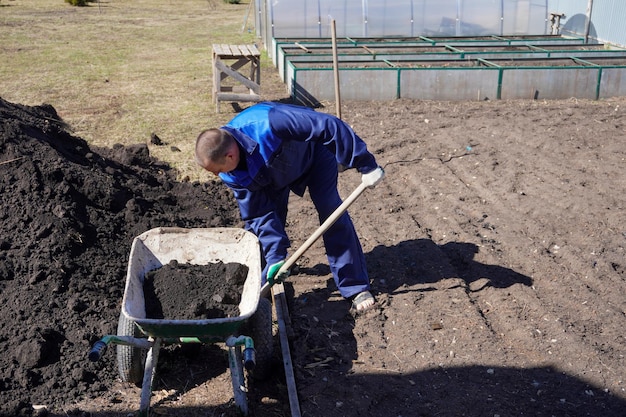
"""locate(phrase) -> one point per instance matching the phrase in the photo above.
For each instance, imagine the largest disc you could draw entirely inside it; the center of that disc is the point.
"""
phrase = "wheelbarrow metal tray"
(200, 246)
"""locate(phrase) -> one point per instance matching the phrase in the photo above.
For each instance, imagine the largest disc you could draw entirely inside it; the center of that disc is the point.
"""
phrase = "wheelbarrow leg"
(235, 361)
(148, 376)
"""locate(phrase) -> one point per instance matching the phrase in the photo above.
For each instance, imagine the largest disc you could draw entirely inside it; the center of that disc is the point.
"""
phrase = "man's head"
(217, 151)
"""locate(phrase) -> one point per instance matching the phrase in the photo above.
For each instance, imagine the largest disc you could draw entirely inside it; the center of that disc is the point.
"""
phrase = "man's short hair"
(212, 145)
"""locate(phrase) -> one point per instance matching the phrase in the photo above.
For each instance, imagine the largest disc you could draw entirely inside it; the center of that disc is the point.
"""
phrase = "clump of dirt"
(68, 215)
(191, 292)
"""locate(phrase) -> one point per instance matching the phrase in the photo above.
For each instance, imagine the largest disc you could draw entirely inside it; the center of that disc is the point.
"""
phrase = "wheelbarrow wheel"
(129, 358)
(260, 328)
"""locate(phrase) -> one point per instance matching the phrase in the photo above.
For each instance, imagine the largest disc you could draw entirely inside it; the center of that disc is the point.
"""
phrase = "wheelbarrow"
(139, 338)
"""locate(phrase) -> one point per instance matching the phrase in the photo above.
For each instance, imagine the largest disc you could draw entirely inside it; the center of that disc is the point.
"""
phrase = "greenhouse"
(445, 49)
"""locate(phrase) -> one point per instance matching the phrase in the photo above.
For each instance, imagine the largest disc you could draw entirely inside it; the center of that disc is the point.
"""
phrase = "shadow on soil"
(451, 391)
(475, 391)
(319, 317)
(422, 261)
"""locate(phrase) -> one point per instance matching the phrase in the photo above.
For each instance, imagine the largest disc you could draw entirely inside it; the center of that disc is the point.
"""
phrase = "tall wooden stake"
(336, 68)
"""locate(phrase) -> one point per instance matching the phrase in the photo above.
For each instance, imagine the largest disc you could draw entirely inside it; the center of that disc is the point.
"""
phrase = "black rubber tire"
(260, 328)
(129, 358)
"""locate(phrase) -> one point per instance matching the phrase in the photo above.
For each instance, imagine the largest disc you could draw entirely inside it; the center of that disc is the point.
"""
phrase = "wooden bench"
(230, 61)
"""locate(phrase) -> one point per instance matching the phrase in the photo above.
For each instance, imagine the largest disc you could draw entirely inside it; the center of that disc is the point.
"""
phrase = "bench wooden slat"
(234, 51)
(239, 97)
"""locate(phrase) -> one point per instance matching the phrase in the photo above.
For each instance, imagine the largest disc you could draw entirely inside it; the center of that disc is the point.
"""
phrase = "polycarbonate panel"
(510, 17)
(348, 16)
(388, 18)
(480, 18)
(437, 17)
(294, 18)
(573, 23)
(538, 17)
(313, 18)
(570, 8)
(403, 18)
(607, 17)
(410, 18)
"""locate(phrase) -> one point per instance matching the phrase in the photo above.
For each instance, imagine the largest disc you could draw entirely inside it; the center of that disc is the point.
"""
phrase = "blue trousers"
(343, 249)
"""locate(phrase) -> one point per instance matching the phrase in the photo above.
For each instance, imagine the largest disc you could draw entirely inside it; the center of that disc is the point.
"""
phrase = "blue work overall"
(287, 148)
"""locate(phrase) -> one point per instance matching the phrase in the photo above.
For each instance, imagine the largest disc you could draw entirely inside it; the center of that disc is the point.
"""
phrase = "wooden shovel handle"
(316, 235)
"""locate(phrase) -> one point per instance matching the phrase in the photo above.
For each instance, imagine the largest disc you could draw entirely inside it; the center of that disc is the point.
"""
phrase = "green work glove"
(273, 277)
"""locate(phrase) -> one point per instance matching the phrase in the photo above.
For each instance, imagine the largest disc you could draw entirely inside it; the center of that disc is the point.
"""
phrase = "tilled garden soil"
(495, 247)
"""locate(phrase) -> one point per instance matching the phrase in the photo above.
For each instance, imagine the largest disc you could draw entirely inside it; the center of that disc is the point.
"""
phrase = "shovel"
(319, 232)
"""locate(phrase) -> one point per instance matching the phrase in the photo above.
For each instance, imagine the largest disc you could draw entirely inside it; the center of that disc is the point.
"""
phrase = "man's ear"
(232, 152)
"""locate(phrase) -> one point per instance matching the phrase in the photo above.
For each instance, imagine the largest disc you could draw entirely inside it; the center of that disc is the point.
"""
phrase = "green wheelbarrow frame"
(199, 246)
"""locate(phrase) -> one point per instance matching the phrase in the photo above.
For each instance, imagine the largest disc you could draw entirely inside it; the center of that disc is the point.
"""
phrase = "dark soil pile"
(68, 216)
(192, 292)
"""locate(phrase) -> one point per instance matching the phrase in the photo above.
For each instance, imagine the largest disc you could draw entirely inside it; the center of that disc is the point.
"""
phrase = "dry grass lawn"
(117, 71)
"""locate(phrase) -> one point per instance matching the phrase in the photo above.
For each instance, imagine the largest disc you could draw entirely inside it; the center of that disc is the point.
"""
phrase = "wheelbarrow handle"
(97, 351)
(334, 216)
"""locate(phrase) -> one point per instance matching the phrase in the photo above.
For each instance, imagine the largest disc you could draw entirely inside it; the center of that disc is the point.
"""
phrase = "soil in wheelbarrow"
(496, 248)
(193, 292)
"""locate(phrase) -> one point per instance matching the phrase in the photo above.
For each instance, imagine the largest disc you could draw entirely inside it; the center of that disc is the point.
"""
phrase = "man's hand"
(373, 177)
(273, 276)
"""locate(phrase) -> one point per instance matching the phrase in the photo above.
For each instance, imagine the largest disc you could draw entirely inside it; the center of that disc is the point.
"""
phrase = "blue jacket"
(276, 144)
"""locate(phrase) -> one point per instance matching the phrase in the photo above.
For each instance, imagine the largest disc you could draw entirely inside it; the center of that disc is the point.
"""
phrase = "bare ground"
(495, 247)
